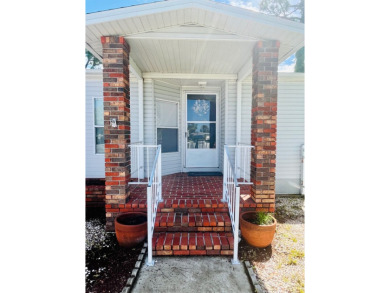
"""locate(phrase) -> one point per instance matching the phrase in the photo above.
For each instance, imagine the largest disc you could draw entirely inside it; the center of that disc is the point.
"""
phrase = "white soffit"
(191, 36)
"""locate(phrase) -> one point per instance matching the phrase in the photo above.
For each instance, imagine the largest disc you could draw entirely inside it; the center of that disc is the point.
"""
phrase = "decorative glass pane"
(166, 113)
(167, 137)
(201, 136)
(99, 135)
(201, 108)
(99, 114)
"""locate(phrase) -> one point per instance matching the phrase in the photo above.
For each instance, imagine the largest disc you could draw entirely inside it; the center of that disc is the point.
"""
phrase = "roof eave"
(150, 8)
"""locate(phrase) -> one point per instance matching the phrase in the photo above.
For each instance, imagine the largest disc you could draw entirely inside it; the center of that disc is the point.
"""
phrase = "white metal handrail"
(154, 196)
(137, 161)
(231, 195)
(141, 154)
(243, 163)
(242, 159)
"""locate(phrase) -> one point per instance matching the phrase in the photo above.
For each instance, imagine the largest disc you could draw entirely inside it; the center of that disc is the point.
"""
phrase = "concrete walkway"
(192, 274)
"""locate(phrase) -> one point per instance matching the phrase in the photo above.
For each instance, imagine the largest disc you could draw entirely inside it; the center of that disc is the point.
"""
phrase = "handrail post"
(235, 260)
(150, 261)
(224, 199)
(159, 174)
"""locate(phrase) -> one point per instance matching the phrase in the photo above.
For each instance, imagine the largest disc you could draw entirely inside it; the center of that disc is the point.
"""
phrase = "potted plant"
(130, 228)
(257, 228)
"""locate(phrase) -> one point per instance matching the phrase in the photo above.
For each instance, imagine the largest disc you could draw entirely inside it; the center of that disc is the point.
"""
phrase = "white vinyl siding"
(94, 89)
(170, 162)
(94, 163)
(290, 129)
(230, 127)
(290, 135)
(246, 110)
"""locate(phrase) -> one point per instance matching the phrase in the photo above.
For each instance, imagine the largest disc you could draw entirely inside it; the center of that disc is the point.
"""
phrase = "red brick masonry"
(116, 94)
(95, 193)
(263, 129)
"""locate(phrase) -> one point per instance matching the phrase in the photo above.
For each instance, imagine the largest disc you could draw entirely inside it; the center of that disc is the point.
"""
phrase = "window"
(99, 125)
(167, 126)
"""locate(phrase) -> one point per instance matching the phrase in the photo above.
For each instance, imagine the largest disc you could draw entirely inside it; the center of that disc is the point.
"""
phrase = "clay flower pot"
(256, 235)
(131, 228)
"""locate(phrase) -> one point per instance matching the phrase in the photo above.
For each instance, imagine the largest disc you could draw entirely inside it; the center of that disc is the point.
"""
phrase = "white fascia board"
(291, 51)
(94, 53)
(135, 11)
(158, 7)
(135, 69)
(157, 75)
(245, 70)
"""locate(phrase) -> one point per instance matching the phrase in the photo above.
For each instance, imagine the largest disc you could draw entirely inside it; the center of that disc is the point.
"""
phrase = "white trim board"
(157, 75)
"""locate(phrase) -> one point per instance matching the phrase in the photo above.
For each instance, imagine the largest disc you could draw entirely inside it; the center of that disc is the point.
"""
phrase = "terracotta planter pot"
(131, 228)
(256, 235)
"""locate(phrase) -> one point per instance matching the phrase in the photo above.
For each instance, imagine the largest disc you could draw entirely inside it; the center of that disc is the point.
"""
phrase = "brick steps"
(198, 205)
(191, 243)
(193, 222)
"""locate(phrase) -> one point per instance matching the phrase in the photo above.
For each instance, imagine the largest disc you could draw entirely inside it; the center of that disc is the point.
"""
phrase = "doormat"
(193, 174)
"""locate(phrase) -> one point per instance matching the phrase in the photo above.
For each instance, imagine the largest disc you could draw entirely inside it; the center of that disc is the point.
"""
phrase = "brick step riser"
(193, 222)
(192, 244)
(182, 210)
(192, 229)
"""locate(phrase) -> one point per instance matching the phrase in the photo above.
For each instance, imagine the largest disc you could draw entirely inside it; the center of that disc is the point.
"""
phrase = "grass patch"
(294, 256)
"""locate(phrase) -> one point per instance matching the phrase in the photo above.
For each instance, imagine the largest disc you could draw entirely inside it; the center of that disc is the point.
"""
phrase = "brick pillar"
(116, 94)
(263, 129)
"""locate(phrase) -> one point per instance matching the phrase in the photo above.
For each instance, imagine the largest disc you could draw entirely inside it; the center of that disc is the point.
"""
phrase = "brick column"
(263, 129)
(116, 94)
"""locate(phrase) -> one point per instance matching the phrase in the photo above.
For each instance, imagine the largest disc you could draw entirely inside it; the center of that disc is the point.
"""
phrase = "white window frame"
(96, 126)
(176, 127)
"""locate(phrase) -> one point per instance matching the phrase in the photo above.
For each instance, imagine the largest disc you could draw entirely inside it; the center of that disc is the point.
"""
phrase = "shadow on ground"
(248, 252)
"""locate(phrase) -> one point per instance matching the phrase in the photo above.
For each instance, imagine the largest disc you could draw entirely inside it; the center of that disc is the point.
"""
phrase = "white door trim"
(206, 91)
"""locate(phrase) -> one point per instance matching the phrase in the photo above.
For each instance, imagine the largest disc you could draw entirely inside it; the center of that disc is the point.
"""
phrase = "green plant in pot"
(258, 228)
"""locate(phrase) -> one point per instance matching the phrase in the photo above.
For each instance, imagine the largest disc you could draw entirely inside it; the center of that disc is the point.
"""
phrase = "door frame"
(206, 91)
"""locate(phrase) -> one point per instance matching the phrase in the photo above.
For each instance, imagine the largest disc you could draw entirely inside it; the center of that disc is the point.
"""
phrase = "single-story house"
(192, 76)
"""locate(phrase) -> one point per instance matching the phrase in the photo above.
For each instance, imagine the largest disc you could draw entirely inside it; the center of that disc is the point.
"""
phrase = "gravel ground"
(281, 266)
(107, 265)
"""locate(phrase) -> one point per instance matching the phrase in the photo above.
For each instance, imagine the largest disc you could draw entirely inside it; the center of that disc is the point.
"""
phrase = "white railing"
(154, 196)
(231, 188)
(242, 162)
(140, 162)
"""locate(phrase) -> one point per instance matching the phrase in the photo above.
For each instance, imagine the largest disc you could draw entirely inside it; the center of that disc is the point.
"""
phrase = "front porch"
(191, 219)
(184, 193)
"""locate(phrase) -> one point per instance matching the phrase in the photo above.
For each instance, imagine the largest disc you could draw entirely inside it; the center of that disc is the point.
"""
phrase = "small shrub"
(263, 219)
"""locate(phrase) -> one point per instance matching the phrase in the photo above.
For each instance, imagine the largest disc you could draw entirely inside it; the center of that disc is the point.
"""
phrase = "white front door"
(201, 131)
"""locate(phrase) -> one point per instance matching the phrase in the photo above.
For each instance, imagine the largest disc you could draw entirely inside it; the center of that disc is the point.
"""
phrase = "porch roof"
(192, 37)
